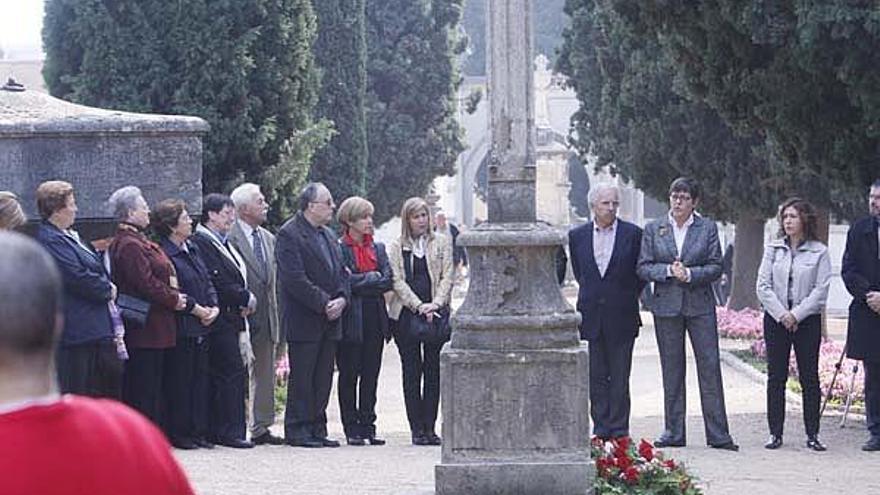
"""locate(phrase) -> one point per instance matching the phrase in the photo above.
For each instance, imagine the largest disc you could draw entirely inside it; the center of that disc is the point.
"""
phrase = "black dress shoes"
(235, 443)
(310, 443)
(432, 438)
(203, 444)
(357, 441)
(872, 445)
(374, 440)
(814, 444)
(267, 439)
(727, 446)
(326, 442)
(184, 444)
(774, 442)
(661, 443)
(420, 439)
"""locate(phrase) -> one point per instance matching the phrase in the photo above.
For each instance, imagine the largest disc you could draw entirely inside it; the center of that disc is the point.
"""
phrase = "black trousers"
(806, 342)
(92, 369)
(359, 366)
(421, 382)
(610, 366)
(228, 385)
(308, 388)
(142, 382)
(872, 397)
(187, 379)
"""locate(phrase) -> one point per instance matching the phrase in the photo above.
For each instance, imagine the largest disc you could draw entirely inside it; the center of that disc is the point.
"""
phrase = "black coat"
(367, 287)
(195, 281)
(232, 293)
(609, 305)
(307, 283)
(87, 288)
(861, 274)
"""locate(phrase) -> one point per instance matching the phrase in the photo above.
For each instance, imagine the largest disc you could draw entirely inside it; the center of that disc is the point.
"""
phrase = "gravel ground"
(400, 468)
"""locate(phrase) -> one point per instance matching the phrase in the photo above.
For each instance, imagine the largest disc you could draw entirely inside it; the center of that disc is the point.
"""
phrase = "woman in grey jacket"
(792, 286)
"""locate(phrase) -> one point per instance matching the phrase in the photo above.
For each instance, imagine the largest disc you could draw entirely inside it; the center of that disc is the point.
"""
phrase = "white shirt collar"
(612, 227)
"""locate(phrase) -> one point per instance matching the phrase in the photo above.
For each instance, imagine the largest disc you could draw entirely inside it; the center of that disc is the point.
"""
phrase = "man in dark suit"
(229, 331)
(681, 255)
(861, 275)
(604, 254)
(313, 295)
(257, 247)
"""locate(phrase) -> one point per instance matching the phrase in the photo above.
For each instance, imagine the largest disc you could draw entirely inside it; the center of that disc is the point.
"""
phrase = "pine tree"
(244, 66)
(340, 51)
(412, 79)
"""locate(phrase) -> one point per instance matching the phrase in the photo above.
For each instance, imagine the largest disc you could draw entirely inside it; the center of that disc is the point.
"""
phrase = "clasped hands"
(789, 321)
(429, 310)
(679, 271)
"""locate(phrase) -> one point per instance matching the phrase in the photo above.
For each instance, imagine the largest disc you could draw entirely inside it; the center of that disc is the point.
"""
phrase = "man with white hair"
(257, 246)
(604, 254)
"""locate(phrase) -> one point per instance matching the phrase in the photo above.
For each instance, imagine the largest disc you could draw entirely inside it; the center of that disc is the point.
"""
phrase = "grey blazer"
(809, 272)
(701, 254)
(260, 283)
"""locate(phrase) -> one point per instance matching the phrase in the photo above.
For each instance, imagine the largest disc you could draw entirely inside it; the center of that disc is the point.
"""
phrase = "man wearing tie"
(604, 253)
(314, 293)
(229, 331)
(257, 247)
(681, 255)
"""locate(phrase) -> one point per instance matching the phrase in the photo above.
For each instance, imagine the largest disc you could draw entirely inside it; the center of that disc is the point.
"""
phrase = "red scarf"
(364, 253)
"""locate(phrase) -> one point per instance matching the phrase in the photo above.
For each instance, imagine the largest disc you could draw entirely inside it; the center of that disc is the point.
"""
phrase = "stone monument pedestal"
(514, 378)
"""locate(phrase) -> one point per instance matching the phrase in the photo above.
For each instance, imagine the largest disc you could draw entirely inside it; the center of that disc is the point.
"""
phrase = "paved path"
(400, 468)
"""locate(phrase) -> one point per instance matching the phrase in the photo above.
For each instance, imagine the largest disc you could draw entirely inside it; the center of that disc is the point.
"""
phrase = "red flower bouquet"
(626, 468)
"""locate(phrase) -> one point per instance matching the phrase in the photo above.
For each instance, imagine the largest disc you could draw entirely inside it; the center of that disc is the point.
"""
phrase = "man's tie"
(258, 250)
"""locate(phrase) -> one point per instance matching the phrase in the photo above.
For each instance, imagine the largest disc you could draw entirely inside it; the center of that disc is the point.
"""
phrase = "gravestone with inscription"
(97, 151)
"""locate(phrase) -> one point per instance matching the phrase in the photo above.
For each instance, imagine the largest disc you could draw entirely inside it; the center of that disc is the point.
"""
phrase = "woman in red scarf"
(364, 323)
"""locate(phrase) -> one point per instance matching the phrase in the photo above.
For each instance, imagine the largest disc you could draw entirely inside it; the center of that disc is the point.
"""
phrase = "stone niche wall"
(44, 138)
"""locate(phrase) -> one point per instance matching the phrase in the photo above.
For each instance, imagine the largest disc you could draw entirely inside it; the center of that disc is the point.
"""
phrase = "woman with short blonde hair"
(364, 323)
(421, 260)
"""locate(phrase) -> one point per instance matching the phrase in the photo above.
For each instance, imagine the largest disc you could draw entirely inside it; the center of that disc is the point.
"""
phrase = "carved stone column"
(514, 380)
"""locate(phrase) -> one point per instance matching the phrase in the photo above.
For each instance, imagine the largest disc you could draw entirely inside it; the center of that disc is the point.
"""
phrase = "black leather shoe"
(774, 442)
(727, 446)
(311, 443)
(267, 439)
(326, 442)
(374, 440)
(357, 441)
(661, 443)
(235, 443)
(433, 439)
(419, 439)
(203, 444)
(184, 444)
(814, 444)
(872, 445)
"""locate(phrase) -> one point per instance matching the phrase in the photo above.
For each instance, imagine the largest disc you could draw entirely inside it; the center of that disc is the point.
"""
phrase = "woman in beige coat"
(421, 260)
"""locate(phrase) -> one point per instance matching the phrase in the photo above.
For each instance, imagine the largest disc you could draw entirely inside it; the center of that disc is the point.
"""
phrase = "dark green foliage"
(411, 87)
(804, 74)
(549, 22)
(636, 124)
(245, 66)
(340, 51)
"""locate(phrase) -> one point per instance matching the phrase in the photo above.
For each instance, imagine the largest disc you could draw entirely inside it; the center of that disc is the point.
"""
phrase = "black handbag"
(437, 331)
(133, 310)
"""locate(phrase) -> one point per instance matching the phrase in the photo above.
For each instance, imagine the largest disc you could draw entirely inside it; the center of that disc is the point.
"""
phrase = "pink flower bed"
(746, 324)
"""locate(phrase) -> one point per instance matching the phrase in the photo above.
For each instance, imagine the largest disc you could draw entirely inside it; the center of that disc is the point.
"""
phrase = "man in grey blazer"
(257, 247)
(681, 255)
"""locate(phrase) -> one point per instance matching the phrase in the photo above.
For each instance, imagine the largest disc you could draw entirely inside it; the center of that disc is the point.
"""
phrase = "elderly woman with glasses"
(143, 271)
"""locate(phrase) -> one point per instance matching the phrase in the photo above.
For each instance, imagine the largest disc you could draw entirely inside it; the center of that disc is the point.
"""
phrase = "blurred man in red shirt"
(53, 444)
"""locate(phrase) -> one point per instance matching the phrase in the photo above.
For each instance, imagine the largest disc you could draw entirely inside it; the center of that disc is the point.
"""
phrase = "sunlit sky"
(20, 25)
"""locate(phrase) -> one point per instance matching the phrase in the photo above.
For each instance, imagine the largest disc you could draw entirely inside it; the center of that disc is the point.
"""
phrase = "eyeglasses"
(680, 198)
